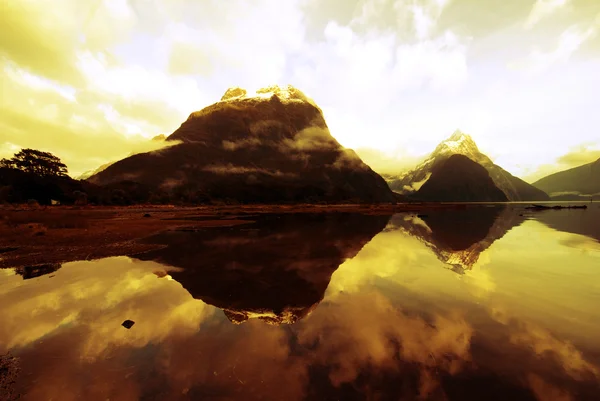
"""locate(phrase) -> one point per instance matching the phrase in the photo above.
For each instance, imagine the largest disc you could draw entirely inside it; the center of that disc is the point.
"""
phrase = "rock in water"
(460, 179)
(272, 146)
(128, 324)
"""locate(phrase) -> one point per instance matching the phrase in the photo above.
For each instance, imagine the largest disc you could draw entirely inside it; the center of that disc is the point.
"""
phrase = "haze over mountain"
(582, 180)
(158, 139)
(271, 146)
(459, 179)
(460, 143)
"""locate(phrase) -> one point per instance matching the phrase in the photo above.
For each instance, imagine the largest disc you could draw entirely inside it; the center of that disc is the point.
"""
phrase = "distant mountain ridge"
(272, 146)
(460, 143)
(582, 180)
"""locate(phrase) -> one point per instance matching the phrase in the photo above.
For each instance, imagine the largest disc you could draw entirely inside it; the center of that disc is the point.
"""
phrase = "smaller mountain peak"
(459, 135)
(460, 139)
(458, 142)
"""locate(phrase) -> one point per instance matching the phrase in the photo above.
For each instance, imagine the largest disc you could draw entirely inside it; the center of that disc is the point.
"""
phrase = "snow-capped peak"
(459, 142)
(286, 94)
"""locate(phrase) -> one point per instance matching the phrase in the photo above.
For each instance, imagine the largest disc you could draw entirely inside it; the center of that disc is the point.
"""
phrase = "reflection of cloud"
(480, 279)
(118, 290)
(545, 391)
(383, 257)
(581, 242)
(78, 314)
(542, 342)
(365, 330)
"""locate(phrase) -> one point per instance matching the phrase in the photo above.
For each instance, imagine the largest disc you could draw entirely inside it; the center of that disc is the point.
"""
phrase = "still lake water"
(486, 303)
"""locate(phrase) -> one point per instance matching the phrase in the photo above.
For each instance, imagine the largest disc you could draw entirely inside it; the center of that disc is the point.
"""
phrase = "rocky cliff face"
(268, 147)
(514, 188)
(459, 179)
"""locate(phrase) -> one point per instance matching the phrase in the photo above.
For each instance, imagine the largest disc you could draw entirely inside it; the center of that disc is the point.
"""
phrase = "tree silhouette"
(36, 162)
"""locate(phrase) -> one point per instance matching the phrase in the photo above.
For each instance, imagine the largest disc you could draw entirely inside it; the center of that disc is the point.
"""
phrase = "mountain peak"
(459, 135)
(460, 143)
(286, 94)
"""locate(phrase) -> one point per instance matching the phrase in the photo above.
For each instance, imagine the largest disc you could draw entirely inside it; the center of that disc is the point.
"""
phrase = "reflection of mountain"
(576, 221)
(276, 269)
(458, 237)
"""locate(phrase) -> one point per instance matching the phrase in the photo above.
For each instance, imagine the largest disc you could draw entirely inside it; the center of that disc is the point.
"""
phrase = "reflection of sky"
(526, 315)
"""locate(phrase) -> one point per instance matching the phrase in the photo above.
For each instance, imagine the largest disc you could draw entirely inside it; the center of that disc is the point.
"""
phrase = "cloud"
(542, 9)
(388, 74)
(388, 162)
(310, 139)
(226, 169)
(579, 155)
(241, 144)
(582, 154)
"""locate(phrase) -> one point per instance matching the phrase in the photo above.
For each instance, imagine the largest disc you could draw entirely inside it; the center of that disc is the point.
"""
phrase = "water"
(485, 303)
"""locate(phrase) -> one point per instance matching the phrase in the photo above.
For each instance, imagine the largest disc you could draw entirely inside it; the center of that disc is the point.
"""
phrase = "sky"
(92, 81)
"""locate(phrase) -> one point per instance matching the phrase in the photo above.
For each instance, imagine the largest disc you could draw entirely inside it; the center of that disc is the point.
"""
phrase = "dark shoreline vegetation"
(37, 237)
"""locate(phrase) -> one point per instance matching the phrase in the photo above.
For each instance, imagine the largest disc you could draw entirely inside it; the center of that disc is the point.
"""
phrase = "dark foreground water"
(488, 303)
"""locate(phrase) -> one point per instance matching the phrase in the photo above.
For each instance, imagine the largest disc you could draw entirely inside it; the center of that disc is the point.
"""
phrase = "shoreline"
(59, 234)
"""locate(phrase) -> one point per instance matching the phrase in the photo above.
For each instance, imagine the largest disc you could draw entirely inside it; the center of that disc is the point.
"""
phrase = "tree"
(36, 162)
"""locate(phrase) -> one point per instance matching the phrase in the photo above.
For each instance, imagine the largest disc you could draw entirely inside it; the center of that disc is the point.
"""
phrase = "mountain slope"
(270, 147)
(460, 179)
(583, 180)
(460, 143)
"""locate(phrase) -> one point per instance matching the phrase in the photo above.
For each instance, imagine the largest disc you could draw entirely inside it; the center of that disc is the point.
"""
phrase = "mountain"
(459, 179)
(156, 139)
(276, 268)
(269, 147)
(458, 237)
(460, 143)
(90, 173)
(582, 180)
(575, 221)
